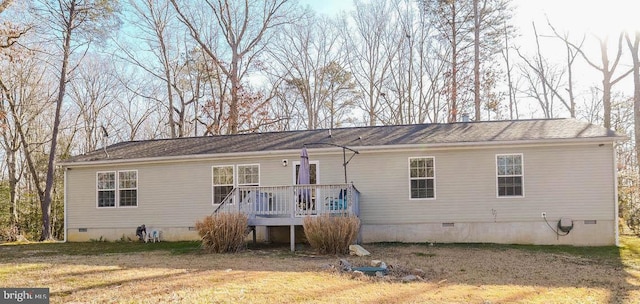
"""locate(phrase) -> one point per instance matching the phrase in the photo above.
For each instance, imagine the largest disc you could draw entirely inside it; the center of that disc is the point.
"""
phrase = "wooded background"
(72, 71)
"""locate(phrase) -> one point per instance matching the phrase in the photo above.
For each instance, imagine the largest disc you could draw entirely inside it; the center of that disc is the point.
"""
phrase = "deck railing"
(292, 201)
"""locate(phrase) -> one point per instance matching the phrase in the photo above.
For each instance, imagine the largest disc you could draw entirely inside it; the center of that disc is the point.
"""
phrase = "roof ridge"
(345, 128)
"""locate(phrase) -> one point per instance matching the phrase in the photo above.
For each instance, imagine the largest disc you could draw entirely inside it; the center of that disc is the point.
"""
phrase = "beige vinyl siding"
(565, 181)
(174, 194)
(170, 195)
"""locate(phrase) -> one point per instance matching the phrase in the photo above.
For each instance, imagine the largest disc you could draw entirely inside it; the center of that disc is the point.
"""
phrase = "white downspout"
(65, 205)
(615, 194)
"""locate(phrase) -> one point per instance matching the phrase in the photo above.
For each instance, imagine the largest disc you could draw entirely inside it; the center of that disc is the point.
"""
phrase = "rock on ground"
(358, 250)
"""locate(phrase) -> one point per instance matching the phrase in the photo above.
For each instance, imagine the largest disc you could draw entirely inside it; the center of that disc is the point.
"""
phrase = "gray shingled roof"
(422, 134)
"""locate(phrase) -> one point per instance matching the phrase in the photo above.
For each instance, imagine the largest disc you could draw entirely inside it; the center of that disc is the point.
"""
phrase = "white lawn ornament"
(153, 236)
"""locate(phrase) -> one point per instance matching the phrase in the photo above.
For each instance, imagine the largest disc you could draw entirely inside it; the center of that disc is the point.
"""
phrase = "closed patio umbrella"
(304, 178)
(304, 171)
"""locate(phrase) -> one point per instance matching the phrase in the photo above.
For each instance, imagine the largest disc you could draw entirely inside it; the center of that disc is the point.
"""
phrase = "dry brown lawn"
(454, 274)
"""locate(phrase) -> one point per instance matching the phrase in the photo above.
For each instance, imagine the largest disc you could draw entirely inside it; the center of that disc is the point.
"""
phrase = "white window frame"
(116, 189)
(213, 184)
(237, 173)
(521, 175)
(422, 178)
(313, 162)
(120, 188)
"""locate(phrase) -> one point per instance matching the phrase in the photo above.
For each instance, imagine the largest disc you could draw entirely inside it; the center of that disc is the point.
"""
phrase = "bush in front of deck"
(223, 232)
(331, 234)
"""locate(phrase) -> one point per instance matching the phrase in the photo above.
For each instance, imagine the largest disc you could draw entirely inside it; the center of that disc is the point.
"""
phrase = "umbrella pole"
(344, 163)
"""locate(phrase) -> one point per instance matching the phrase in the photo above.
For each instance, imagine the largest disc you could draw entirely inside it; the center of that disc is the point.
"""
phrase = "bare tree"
(634, 47)
(4, 4)
(608, 68)
(571, 55)
(490, 19)
(16, 86)
(65, 19)
(243, 27)
(477, 18)
(370, 43)
(543, 78)
(310, 61)
(23, 87)
(11, 145)
(92, 90)
(340, 93)
(398, 88)
(131, 113)
(452, 20)
(431, 66)
(511, 84)
(10, 32)
(154, 21)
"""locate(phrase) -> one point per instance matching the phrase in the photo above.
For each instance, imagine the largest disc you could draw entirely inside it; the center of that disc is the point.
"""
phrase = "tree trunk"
(453, 115)
(606, 84)
(372, 103)
(634, 48)
(572, 101)
(167, 74)
(476, 60)
(13, 184)
(606, 101)
(235, 85)
(513, 108)
(45, 201)
(23, 142)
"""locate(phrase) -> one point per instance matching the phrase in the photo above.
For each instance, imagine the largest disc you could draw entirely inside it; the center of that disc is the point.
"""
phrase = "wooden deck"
(289, 205)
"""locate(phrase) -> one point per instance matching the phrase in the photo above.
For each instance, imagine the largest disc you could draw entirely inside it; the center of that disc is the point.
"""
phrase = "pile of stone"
(377, 269)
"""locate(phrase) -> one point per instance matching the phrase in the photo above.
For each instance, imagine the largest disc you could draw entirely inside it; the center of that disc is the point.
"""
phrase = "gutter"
(64, 225)
(378, 148)
(615, 197)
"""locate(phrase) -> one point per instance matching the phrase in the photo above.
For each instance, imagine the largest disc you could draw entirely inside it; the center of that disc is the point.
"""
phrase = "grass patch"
(600, 252)
(12, 250)
(424, 254)
(454, 273)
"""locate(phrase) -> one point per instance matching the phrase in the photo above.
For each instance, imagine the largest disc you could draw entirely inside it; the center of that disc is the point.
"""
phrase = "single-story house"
(539, 181)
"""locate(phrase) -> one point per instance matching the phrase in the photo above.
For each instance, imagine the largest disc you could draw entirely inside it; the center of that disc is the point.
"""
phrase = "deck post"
(254, 234)
(293, 237)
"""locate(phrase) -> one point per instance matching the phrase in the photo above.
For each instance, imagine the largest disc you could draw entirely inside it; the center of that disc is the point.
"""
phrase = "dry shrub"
(10, 233)
(331, 234)
(223, 232)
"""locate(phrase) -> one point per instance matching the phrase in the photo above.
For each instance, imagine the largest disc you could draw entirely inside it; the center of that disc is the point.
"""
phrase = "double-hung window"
(117, 189)
(510, 175)
(248, 175)
(222, 182)
(106, 189)
(128, 188)
(422, 177)
(226, 177)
